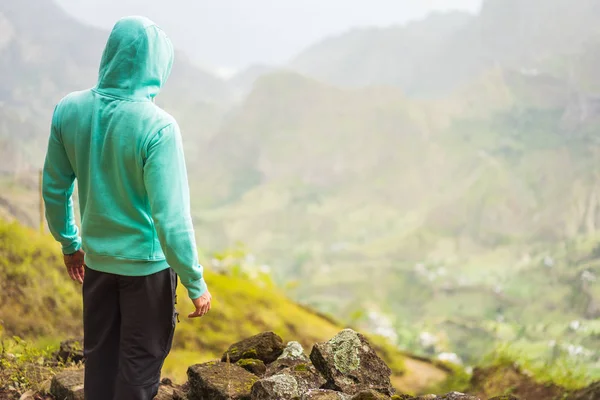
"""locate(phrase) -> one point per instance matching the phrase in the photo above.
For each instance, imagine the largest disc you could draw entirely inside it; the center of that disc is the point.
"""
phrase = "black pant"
(128, 325)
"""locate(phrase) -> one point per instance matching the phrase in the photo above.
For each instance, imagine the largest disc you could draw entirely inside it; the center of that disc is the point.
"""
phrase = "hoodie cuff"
(196, 289)
(72, 248)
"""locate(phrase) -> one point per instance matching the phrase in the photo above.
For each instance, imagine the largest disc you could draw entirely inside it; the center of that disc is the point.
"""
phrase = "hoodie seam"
(113, 96)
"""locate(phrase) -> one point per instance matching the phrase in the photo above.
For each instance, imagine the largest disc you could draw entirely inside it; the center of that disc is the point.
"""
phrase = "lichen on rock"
(350, 365)
(219, 381)
(281, 386)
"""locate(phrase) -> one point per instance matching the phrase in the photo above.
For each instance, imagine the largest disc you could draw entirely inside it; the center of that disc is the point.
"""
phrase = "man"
(136, 229)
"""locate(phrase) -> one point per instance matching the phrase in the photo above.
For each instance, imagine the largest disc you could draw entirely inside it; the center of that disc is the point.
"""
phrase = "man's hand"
(202, 305)
(75, 263)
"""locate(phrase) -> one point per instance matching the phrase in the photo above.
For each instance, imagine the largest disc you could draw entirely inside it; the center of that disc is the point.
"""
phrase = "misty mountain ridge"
(437, 55)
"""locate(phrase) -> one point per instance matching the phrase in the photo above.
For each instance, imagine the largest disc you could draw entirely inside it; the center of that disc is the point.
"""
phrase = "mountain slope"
(444, 51)
(33, 283)
(46, 54)
(438, 214)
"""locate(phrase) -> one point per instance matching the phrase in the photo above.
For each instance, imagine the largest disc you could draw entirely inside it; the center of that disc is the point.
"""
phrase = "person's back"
(127, 156)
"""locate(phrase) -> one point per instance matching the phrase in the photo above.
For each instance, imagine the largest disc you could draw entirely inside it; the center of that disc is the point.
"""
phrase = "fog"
(233, 34)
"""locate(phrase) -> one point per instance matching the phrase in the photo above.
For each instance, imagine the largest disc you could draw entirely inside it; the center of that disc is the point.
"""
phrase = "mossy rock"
(350, 365)
(68, 385)
(71, 351)
(256, 367)
(266, 347)
(219, 381)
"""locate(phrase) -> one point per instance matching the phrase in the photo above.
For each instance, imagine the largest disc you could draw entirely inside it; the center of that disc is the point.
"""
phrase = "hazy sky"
(238, 33)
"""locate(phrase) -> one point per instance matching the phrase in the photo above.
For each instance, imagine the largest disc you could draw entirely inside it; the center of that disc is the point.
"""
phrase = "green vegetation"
(23, 366)
(33, 284)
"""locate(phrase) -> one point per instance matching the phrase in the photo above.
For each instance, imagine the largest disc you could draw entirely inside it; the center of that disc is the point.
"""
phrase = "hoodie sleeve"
(165, 178)
(58, 183)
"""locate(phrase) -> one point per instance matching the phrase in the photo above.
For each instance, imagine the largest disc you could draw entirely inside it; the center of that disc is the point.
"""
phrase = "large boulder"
(219, 381)
(68, 385)
(71, 351)
(324, 394)
(350, 365)
(266, 347)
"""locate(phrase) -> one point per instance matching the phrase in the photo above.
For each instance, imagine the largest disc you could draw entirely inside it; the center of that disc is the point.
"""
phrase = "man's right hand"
(202, 305)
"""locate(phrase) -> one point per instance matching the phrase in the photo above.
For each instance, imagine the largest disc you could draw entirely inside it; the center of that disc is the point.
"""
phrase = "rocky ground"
(264, 368)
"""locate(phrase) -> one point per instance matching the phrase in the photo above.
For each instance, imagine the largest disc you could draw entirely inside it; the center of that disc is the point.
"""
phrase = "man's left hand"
(75, 265)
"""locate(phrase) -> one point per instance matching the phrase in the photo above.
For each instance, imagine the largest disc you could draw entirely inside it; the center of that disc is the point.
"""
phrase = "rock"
(276, 387)
(266, 347)
(168, 391)
(324, 394)
(293, 351)
(370, 395)
(292, 356)
(297, 380)
(350, 365)
(306, 376)
(403, 397)
(449, 396)
(68, 385)
(505, 397)
(71, 350)
(592, 392)
(219, 381)
(257, 367)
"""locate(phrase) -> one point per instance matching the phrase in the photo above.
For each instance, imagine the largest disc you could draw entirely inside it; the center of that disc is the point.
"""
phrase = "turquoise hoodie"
(127, 156)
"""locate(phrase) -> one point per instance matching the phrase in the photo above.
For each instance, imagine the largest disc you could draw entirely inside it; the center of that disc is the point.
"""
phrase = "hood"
(137, 60)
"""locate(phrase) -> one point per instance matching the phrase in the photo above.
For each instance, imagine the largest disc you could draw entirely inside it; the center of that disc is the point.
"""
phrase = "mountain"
(441, 217)
(243, 82)
(446, 50)
(46, 54)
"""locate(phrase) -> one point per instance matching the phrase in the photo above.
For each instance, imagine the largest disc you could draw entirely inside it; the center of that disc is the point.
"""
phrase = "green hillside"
(40, 304)
(440, 215)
